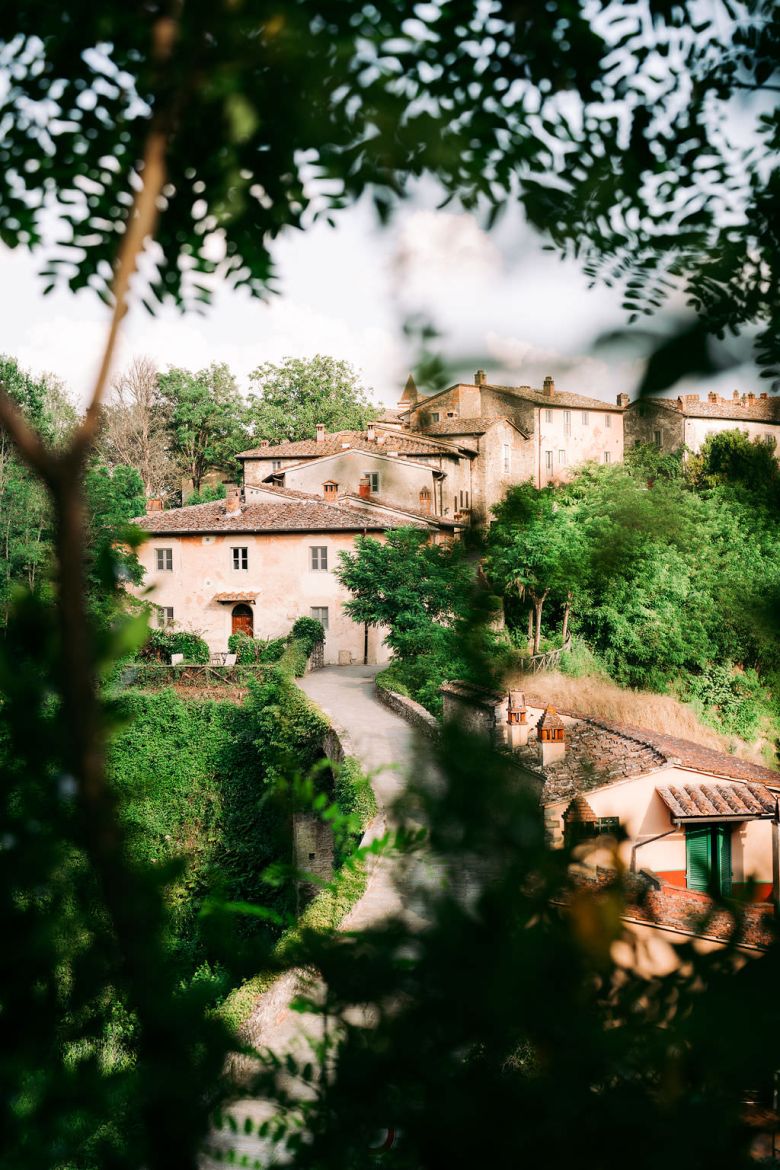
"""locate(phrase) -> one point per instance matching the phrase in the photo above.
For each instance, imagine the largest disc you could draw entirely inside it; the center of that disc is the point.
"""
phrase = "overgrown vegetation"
(668, 571)
(162, 643)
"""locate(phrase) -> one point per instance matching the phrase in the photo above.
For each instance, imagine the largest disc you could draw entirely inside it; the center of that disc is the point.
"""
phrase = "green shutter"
(722, 843)
(698, 856)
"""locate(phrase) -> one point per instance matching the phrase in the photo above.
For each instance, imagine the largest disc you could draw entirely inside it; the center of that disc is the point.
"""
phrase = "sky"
(500, 302)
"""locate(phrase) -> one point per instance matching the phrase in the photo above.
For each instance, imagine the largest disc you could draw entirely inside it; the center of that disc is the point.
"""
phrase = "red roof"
(716, 801)
(388, 439)
(309, 515)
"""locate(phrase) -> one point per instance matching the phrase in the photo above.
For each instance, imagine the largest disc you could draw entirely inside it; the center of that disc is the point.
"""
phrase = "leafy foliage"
(301, 392)
(309, 632)
(250, 650)
(161, 644)
(634, 174)
(205, 412)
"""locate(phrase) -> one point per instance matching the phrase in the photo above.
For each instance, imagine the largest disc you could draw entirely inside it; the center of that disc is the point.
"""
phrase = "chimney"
(551, 734)
(480, 378)
(751, 398)
(548, 387)
(425, 500)
(516, 720)
(735, 396)
(320, 432)
(153, 504)
(763, 396)
(371, 432)
(712, 396)
(263, 443)
(623, 400)
(232, 499)
(364, 488)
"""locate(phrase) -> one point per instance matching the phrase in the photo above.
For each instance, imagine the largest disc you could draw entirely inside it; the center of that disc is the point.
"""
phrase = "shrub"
(161, 644)
(354, 795)
(309, 632)
(250, 651)
(294, 659)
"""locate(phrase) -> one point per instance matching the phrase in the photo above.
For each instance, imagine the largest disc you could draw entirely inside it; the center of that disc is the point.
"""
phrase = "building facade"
(687, 421)
(254, 566)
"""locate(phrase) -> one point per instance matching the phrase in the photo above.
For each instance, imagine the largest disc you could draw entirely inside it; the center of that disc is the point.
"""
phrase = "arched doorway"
(243, 620)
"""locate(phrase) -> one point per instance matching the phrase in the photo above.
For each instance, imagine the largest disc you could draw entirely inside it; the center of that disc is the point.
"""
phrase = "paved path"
(387, 749)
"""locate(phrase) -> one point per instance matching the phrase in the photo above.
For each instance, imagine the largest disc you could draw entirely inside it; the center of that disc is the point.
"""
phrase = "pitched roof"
(388, 439)
(696, 801)
(558, 398)
(388, 505)
(468, 426)
(308, 515)
(741, 409)
(514, 394)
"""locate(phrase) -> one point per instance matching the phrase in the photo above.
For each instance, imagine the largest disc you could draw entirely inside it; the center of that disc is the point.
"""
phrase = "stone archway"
(243, 620)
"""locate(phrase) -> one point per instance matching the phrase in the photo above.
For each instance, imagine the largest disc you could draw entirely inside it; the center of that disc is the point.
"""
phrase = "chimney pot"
(232, 499)
(551, 735)
(371, 432)
(154, 504)
(549, 386)
(751, 397)
(480, 378)
(263, 443)
(364, 488)
(320, 432)
(735, 396)
(712, 396)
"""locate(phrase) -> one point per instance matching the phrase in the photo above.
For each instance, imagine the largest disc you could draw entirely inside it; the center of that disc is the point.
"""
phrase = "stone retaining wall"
(414, 713)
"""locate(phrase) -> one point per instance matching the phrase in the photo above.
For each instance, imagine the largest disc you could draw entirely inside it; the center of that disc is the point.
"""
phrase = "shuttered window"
(708, 858)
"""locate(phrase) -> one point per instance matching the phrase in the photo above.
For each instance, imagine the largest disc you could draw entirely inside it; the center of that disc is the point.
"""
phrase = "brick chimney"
(763, 395)
(623, 400)
(232, 499)
(264, 443)
(480, 378)
(751, 398)
(425, 500)
(371, 432)
(320, 432)
(153, 504)
(551, 734)
(517, 727)
(735, 396)
(364, 488)
(548, 387)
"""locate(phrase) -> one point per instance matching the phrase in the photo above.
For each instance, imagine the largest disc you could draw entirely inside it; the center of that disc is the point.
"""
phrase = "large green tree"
(205, 418)
(294, 396)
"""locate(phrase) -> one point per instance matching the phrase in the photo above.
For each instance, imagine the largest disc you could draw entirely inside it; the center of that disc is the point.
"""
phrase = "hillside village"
(266, 555)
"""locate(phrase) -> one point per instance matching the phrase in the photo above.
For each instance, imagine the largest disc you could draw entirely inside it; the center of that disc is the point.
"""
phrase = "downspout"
(649, 841)
(365, 627)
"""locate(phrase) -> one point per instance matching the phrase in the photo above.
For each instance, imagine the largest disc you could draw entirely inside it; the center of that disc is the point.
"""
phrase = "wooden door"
(243, 620)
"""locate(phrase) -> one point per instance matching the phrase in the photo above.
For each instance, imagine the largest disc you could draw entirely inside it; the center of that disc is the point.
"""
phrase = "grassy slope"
(599, 697)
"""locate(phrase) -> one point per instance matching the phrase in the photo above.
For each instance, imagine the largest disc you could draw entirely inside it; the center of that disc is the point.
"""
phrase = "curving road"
(387, 749)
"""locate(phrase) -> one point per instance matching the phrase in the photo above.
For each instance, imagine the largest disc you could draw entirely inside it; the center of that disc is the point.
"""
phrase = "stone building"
(254, 565)
(686, 421)
(518, 433)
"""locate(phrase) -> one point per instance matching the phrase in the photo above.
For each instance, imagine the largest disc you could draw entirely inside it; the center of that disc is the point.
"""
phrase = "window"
(657, 439)
(164, 616)
(548, 460)
(708, 858)
(567, 422)
(607, 420)
(373, 480)
(320, 614)
(548, 416)
(240, 558)
(607, 457)
(165, 560)
(435, 416)
(584, 418)
(318, 557)
(562, 458)
(507, 458)
(276, 464)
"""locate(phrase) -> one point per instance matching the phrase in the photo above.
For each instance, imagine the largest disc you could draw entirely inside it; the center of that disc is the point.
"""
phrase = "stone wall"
(414, 713)
(643, 419)
(312, 852)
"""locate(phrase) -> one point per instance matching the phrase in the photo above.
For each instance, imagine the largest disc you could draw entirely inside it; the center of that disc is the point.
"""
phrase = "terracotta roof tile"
(311, 515)
(558, 398)
(381, 502)
(389, 439)
(717, 800)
